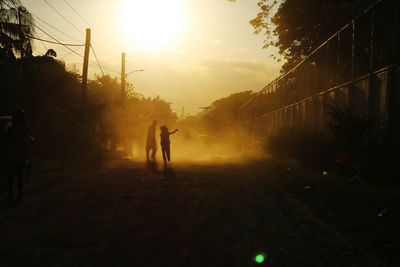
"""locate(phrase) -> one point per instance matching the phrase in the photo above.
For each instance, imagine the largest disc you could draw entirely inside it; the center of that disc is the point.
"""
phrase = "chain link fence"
(356, 69)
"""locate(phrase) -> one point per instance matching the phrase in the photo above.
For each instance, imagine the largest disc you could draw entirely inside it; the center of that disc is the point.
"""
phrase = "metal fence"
(355, 69)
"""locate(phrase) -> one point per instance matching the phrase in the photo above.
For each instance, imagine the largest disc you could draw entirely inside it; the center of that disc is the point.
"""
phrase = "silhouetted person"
(151, 143)
(18, 138)
(165, 143)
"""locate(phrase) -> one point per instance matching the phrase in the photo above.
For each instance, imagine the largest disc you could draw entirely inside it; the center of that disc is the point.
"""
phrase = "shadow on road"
(166, 171)
(152, 166)
(169, 172)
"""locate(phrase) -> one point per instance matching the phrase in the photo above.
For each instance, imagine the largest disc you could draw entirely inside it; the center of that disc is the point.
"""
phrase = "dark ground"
(126, 214)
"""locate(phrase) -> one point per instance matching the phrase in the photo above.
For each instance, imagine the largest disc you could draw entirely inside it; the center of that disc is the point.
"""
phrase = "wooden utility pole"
(183, 113)
(85, 69)
(123, 76)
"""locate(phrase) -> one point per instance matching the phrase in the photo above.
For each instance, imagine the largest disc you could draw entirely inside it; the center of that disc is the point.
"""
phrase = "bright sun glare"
(151, 25)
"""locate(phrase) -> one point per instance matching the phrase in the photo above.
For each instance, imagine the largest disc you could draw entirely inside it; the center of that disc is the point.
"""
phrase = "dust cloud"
(216, 135)
(200, 145)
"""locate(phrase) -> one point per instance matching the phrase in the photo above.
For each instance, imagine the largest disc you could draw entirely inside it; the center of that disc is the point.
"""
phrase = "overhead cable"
(61, 15)
(94, 53)
(53, 42)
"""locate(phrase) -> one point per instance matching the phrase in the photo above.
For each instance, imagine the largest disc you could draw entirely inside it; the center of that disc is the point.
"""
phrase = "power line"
(54, 28)
(72, 26)
(52, 42)
(58, 42)
(76, 12)
(34, 24)
(101, 35)
(63, 48)
(70, 53)
(61, 15)
(45, 47)
(35, 50)
(105, 38)
(94, 53)
(106, 50)
(110, 70)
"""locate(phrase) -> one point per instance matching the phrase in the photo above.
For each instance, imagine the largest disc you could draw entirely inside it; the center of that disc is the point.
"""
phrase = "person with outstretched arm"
(165, 143)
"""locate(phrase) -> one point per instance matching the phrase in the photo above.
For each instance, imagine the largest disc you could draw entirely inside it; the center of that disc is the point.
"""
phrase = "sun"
(151, 25)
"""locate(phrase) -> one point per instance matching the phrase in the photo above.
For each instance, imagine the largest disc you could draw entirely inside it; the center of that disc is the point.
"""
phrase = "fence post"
(371, 89)
(393, 75)
(327, 84)
(338, 59)
(353, 48)
(395, 44)
(371, 45)
(350, 93)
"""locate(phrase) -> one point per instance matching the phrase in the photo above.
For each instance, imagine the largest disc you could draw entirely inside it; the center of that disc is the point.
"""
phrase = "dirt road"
(126, 214)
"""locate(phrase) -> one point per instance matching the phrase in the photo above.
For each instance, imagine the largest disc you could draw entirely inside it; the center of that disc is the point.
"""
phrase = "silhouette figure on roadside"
(18, 138)
(165, 143)
(151, 143)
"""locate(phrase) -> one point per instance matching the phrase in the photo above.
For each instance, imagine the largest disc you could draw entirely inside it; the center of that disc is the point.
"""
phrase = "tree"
(104, 89)
(16, 29)
(297, 27)
(224, 113)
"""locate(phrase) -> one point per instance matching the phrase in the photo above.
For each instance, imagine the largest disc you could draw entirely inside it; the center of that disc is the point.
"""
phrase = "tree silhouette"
(16, 29)
(297, 27)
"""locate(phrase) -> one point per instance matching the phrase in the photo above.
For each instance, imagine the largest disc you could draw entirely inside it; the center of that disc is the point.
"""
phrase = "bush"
(379, 156)
(370, 148)
(351, 146)
(315, 149)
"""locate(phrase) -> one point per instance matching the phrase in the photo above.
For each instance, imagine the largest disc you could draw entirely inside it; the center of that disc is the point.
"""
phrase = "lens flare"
(260, 258)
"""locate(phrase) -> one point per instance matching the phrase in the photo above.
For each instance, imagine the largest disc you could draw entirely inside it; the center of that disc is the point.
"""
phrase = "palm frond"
(17, 24)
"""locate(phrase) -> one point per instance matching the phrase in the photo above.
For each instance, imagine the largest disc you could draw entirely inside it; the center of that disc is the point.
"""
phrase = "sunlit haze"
(193, 51)
(199, 133)
(151, 25)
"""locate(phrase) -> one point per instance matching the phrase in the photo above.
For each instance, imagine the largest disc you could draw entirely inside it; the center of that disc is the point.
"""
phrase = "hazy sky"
(193, 51)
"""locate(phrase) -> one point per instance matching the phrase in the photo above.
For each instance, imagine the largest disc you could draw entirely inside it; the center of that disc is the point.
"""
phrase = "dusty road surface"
(127, 214)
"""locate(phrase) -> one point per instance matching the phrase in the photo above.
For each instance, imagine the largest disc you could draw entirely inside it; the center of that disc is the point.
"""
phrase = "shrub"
(370, 148)
(312, 148)
(350, 145)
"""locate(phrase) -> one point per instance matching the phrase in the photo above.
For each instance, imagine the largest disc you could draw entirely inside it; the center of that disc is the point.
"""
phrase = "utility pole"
(183, 112)
(85, 70)
(123, 76)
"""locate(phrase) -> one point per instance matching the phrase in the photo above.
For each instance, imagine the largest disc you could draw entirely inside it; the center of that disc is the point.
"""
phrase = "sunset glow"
(151, 25)
(193, 51)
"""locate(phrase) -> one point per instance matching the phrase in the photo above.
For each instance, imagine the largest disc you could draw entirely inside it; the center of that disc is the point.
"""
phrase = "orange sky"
(193, 51)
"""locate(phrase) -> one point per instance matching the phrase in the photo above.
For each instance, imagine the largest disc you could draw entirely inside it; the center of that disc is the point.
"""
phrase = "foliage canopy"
(297, 27)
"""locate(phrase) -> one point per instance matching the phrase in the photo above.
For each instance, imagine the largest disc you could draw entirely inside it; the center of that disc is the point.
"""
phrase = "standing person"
(151, 143)
(165, 143)
(18, 137)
